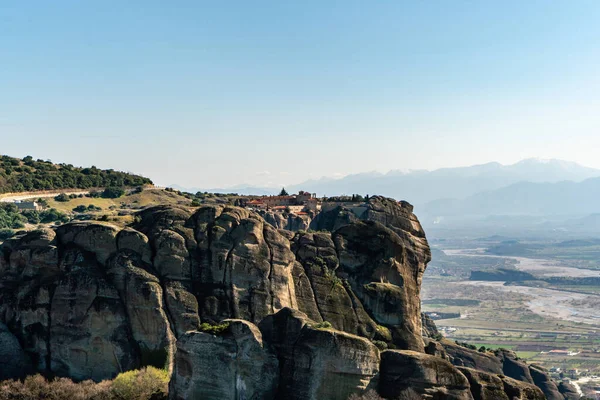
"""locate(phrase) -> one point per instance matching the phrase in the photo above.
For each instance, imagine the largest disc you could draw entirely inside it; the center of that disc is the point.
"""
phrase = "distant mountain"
(525, 198)
(421, 187)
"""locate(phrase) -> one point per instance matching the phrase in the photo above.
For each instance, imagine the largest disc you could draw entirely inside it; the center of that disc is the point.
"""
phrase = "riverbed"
(554, 303)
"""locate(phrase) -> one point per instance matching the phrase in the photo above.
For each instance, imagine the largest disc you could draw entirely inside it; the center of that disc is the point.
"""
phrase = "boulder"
(234, 365)
(99, 239)
(135, 241)
(319, 363)
(484, 386)
(517, 390)
(568, 390)
(542, 379)
(463, 357)
(406, 373)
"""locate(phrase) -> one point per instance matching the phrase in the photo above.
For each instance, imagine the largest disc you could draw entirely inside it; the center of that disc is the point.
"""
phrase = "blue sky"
(213, 94)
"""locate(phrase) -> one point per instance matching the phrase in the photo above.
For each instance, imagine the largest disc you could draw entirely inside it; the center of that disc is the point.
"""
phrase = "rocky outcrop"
(14, 362)
(542, 379)
(89, 300)
(463, 357)
(568, 391)
(235, 364)
(429, 329)
(319, 363)
(517, 390)
(407, 373)
(484, 386)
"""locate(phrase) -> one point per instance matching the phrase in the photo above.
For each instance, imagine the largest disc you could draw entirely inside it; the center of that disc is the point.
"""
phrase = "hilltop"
(27, 174)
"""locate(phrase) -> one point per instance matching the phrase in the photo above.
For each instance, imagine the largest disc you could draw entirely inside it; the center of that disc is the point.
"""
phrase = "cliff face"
(301, 311)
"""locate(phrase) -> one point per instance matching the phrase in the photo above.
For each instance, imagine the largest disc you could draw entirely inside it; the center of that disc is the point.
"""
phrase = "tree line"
(27, 174)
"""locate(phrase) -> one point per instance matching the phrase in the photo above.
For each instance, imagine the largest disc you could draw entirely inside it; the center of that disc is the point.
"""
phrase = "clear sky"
(218, 93)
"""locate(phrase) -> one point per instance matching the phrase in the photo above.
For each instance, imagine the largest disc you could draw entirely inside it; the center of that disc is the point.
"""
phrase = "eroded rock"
(233, 365)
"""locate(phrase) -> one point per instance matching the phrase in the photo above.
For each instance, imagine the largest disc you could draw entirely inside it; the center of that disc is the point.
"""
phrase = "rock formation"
(238, 308)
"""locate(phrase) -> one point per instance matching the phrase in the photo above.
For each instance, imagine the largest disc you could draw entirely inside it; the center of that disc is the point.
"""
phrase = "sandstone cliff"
(299, 312)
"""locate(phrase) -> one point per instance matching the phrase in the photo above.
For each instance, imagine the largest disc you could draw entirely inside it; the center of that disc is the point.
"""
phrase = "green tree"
(283, 192)
(113, 192)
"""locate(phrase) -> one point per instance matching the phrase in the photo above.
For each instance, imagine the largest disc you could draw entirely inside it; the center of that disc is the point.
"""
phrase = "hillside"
(27, 174)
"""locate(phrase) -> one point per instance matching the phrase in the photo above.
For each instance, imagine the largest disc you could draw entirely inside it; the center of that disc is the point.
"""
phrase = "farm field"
(550, 324)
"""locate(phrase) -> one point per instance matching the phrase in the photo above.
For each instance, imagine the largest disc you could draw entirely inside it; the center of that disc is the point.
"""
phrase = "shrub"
(217, 329)
(323, 325)
(146, 383)
(113, 192)
(80, 208)
(381, 345)
(37, 387)
(62, 198)
(33, 217)
(6, 233)
(53, 215)
(370, 395)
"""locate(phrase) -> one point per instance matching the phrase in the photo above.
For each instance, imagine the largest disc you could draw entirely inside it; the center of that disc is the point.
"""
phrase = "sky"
(214, 94)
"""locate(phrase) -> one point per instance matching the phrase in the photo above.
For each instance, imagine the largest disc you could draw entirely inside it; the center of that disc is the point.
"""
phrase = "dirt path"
(19, 197)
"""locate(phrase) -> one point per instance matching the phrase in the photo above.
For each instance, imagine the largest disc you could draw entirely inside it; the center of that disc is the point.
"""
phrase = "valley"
(545, 322)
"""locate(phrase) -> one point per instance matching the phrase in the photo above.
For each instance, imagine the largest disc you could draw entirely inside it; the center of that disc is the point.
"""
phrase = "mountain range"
(529, 187)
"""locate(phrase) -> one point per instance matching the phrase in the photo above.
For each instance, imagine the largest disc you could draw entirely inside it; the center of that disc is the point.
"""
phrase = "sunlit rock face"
(301, 311)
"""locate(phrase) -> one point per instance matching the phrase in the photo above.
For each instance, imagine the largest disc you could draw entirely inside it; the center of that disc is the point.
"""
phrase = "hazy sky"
(212, 94)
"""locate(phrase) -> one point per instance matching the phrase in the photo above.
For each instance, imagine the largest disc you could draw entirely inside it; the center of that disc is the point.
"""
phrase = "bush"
(113, 192)
(381, 345)
(37, 387)
(53, 215)
(63, 198)
(323, 325)
(147, 383)
(214, 329)
(6, 234)
(370, 395)
(33, 217)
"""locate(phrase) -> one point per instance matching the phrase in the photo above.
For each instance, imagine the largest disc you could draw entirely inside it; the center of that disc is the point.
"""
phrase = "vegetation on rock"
(217, 329)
